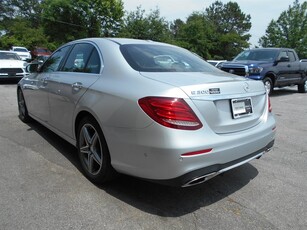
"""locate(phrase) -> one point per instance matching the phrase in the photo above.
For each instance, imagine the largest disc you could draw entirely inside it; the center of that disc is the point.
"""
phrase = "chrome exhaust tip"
(204, 178)
(200, 179)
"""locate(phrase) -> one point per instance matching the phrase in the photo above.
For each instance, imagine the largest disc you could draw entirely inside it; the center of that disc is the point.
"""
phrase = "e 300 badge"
(207, 91)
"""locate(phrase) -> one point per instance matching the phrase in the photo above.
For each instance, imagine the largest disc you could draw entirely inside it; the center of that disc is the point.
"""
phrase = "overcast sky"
(261, 11)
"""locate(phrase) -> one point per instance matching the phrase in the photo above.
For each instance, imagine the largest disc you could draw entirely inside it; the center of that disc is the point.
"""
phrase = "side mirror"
(32, 68)
(284, 59)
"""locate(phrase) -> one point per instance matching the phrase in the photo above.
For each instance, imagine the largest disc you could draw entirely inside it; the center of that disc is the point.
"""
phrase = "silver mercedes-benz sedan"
(147, 109)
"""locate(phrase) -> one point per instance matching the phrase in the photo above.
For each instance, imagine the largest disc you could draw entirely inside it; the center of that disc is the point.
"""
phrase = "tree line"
(220, 31)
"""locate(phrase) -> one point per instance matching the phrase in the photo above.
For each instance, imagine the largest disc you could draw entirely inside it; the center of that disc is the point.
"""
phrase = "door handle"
(77, 86)
(44, 81)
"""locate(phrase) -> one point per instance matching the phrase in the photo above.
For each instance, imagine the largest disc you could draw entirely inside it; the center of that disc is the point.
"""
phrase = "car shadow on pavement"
(284, 91)
(62, 146)
(167, 201)
(9, 81)
(159, 199)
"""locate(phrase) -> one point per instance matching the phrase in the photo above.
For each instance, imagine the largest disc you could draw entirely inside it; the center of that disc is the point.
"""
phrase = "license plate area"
(241, 107)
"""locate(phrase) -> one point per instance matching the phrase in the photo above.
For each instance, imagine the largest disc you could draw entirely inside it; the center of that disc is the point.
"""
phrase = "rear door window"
(283, 54)
(291, 56)
(94, 63)
(83, 58)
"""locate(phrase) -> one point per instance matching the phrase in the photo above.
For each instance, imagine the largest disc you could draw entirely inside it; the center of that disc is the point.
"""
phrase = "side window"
(94, 64)
(282, 54)
(52, 63)
(291, 56)
(79, 58)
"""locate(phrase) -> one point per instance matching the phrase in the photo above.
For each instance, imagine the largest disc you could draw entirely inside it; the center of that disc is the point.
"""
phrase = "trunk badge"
(215, 91)
(206, 91)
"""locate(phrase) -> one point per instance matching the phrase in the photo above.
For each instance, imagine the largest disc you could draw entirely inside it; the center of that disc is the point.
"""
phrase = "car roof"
(217, 60)
(271, 48)
(120, 41)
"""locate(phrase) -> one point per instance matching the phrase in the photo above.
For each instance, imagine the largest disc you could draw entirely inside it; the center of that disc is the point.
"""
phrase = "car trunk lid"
(226, 103)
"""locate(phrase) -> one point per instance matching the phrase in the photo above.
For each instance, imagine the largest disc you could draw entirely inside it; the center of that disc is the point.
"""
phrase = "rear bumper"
(204, 174)
(160, 157)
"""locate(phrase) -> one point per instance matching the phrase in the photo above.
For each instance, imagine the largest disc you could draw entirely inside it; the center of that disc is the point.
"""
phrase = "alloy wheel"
(90, 149)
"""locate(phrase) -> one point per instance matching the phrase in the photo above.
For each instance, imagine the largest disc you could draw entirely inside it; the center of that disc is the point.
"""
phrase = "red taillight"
(170, 112)
(270, 105)
(196, 153)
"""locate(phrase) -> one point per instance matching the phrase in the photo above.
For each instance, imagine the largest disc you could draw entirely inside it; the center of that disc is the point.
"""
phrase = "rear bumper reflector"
(196, 153)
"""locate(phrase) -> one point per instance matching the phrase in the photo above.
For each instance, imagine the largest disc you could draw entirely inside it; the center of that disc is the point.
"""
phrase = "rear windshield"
(9, 56)
(20, 50)
(159, 58)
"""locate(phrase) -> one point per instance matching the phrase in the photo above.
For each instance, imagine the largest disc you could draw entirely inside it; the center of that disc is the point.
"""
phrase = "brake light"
(170, 112)
(270, 105)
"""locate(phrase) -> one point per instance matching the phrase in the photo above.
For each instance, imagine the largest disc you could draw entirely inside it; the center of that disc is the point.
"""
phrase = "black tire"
(22, 107)
(302, 87)
(93, 152)
(268, 84)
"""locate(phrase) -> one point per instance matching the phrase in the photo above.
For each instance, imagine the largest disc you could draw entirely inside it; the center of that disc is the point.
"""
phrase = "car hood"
(47, 54)
(247, 62)
(198, 85)
(12, 64)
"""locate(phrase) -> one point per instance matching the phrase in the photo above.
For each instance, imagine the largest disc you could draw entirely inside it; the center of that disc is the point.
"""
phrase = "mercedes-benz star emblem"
(246, 87)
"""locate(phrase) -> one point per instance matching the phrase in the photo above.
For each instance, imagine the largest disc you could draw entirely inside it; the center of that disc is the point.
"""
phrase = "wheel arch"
(82, 114)
(270, 75)
(18, 88)
(107, 173)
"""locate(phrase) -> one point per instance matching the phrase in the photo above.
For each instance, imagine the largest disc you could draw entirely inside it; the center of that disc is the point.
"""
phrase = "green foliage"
(66, 20)
(21, 34)
(228, 18)
(194, 35)
(290, 30)
(62, 22)
(140, 26)
(58, 21)
(218, 32)
(231, 28)
(27, 9)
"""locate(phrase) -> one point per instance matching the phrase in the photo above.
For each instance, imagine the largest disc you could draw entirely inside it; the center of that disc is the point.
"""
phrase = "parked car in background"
(39, 60)
(147, 109)
(23, 53)
(11, 66)
(276, 67)
(216, 63)
(40, 51)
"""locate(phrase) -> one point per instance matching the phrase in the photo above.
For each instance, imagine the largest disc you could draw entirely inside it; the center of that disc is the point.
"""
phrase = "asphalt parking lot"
(41, 186)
